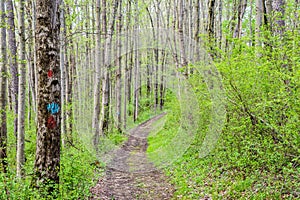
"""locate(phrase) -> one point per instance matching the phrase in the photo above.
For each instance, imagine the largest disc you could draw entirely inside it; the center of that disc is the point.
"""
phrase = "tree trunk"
(136, 64)
(3, 81)
(47, 161)
(21, 97)
(278, 7)
(119, 72)
(69, 92)
(127, 67)
(259, 21)
(13, 61)
(241, 11)
(211, 26)
(62, 74)
(96, 111)
(104, 115)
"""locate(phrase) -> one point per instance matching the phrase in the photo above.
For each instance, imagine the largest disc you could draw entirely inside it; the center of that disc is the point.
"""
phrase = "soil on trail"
(129, 174)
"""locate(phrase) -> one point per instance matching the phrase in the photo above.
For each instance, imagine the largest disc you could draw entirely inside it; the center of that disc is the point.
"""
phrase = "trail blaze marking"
(50, 73)
(51, 123)
(53, 108)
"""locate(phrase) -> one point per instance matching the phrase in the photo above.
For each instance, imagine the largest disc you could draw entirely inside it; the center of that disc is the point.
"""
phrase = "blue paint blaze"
(53, 108)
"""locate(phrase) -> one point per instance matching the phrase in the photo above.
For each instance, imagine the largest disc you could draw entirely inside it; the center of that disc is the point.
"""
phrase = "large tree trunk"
(3, 81)
(13, 61)
(47, 161)
(21, 97)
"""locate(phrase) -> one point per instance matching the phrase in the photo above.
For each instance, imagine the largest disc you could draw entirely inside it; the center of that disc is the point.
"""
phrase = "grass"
(243, 165)
(79, 170)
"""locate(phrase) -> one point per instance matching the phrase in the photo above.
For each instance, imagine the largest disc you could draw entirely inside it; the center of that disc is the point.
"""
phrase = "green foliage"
(169, 129)
(77, 173)
(257, 156)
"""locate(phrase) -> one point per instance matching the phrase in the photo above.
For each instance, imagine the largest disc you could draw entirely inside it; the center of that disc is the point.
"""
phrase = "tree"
(13, 61)
(47, 161)
(241, 11)
(104, 114)
(136, 64)
(3, 81)
(119, 71)
(278, 7)
(96, 110)
(21, 97)
(211, 25)
(259, 20)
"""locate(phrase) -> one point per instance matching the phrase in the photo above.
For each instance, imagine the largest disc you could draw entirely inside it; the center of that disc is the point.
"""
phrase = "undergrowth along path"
(129, 174)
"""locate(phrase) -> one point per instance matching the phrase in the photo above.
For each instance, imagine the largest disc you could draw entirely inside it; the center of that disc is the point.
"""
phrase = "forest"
(149, 99)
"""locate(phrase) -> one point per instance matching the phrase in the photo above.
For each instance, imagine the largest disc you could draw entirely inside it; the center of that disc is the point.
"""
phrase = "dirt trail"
(130, 175)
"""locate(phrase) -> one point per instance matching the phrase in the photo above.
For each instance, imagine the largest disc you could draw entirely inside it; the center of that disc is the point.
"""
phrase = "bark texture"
(21, 97)
(47, 162)
(13, 57)
(3, 86)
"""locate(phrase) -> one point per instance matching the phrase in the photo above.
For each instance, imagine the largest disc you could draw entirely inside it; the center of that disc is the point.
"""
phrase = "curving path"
(130, 175)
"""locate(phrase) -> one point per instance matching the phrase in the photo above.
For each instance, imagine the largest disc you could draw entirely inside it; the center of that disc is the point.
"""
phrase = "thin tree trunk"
(211, 25)
(136, 65)
(156, 56)
(127, 67)
(21, 97)
(220, 23)
(119, 71)
(104, 114)
(35, 69)
(62, 72)
(13, 61)
(3, 81)
(69, 92)
(259, 21)
(96, 111)
(241, 11)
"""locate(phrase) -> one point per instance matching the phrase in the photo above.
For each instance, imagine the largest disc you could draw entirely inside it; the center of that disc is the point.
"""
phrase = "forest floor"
(129, 174)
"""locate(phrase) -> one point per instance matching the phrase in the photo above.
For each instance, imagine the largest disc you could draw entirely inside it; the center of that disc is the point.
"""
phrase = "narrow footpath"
(130, 175)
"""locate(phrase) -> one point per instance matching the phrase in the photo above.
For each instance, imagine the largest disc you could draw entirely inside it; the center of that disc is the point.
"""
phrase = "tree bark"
(21, 97)
(259, 21)
(241, 11)
(62, 73)
(96, 111)
(127, 67)
(104, 114)
(136, 64)
(278, 7)
(3, 81)
(119, 71)
(13, 61)
(211, 26)
(47, 161)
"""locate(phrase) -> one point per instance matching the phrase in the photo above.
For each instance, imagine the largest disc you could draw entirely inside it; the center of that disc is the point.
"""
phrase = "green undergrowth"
(79, 170)
(257, 155)
(160, 137)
